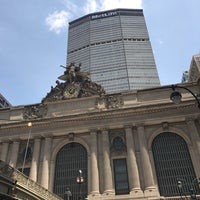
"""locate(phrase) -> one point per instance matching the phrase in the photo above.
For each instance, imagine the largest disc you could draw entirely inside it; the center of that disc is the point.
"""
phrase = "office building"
(115, 48)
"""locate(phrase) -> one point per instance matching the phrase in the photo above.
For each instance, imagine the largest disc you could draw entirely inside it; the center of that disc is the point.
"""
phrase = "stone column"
(194, 133)
(134, 181)
(150, 189)
(46, 163)
(14, 154)
(35, 160)
(94, 172)
(4, 151)
(108, 180)
(52, 175)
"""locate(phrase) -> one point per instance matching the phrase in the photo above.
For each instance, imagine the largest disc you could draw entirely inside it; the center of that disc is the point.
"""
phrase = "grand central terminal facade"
(131, 145)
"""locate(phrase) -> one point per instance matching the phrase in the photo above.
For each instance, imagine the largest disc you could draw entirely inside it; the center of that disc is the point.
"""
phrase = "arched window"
(70, 159)
(172, 163)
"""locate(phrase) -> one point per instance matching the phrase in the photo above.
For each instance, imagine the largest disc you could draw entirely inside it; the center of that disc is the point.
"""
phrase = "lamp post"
(192, 190)
(180, 185)
(176, 95)
(68, 193)
(180, 189)
(80, 180)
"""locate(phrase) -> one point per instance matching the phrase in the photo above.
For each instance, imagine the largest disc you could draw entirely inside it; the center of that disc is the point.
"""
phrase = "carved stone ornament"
(117, 142)
(35, 111)
(109, 102)
(31, 187)
(194, 73)
(114, 101)
(76, 84)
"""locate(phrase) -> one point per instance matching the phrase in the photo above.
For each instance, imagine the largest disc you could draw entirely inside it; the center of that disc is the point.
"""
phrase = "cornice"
(98, 115)
(86, 121)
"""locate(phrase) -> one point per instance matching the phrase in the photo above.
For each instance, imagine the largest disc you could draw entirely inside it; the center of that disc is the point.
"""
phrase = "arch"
(66, 141)
(172, 162)
(171, 130)
(71, 162)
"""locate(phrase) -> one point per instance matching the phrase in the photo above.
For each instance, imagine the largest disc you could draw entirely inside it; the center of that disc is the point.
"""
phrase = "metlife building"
(114, 47)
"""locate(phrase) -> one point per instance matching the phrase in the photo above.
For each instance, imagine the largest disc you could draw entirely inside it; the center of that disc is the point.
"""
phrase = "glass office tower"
(114, 47)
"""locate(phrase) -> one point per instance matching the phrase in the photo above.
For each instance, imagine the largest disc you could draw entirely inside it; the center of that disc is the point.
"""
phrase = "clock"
(71, 91)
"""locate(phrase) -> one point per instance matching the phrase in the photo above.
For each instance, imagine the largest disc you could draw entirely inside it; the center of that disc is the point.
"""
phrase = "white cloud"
(100, 5)
(70, 5)
(112, 4)
(90, 6)
(57, 21)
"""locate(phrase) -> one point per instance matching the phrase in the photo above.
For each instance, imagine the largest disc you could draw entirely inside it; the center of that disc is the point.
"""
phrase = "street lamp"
(192, 190)
(180, 189)
(80, 180)
(176, 95)
(192, 193)
(68, 193)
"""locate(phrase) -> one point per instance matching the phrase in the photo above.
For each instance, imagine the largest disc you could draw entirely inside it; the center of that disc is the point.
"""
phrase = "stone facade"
(136, 118)
(194, 72)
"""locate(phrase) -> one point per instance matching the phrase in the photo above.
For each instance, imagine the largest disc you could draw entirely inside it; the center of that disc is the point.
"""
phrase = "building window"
(172, 163)
(121, 176)
(70, 159)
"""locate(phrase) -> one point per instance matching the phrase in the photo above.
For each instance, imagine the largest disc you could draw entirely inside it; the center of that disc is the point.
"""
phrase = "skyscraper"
(114, 47)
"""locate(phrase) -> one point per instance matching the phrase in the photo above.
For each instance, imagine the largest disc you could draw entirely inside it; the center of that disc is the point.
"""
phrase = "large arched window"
(70, 159)
(172, 163)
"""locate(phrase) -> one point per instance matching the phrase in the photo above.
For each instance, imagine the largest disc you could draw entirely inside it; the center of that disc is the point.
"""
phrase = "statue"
(76, 84)
(72, 74)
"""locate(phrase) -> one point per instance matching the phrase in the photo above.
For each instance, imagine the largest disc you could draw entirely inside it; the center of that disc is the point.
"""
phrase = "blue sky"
(33, 40)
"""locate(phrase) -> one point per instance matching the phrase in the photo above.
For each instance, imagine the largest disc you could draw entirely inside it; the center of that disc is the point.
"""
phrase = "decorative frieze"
(109, 102)
(34, 111)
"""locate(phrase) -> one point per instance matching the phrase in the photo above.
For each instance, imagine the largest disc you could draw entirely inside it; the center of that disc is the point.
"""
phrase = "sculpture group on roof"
(76, 84)
(73, 74)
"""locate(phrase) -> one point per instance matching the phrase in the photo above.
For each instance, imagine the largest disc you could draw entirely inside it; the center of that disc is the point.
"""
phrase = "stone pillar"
(46, 163)
(194, 133)
(108, 180)
(94, 172)
(14, 154)
(35, 160)
(52, 175)
(150, 189)
(4, 151)
(134, 181)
